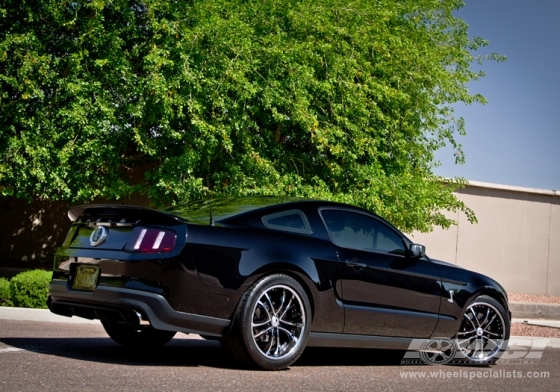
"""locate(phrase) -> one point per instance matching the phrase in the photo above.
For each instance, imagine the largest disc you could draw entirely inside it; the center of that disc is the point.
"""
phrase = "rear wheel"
(139, 337)
(272, 324)
(484, 331)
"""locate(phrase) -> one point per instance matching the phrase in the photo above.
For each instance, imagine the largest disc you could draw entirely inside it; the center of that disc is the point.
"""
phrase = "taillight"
(151, 240)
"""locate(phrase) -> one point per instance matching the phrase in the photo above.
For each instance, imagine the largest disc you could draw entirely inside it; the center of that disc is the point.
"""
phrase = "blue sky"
(515, 138)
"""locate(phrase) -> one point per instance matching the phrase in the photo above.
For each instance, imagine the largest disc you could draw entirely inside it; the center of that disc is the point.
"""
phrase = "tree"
(335, 99)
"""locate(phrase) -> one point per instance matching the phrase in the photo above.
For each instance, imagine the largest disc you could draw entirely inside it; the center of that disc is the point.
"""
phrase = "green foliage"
(326, 98)
(30, 289)
(5, 292)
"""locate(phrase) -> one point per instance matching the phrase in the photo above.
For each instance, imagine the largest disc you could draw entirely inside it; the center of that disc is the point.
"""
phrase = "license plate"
(86, 277)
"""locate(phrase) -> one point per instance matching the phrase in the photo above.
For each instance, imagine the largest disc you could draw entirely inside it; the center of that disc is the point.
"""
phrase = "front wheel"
(139, 337)
(484, 331)
(272, 324)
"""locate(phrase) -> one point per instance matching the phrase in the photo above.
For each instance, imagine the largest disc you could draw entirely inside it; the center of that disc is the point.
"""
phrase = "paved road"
(49, 356)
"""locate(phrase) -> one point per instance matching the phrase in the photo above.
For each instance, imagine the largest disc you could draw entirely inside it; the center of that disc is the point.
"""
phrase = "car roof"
(235, 209)
(201, 211)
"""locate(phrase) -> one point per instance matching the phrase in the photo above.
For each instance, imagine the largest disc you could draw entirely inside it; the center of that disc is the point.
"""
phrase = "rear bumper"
(120, 304)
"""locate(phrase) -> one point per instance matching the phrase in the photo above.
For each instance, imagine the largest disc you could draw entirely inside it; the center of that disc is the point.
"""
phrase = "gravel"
(543, 299)
(521, 329)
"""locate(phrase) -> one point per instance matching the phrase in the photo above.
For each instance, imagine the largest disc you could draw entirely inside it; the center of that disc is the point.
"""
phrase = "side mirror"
(417, 250)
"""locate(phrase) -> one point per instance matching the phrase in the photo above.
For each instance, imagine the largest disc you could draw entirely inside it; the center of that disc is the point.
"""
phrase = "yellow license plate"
(86, 277)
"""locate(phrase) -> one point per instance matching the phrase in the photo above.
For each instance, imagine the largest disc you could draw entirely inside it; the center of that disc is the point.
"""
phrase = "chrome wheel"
(483, 332)
(278, 322)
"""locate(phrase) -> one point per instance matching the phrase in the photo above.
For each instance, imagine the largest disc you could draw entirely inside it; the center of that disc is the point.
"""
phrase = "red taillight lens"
(151, 240)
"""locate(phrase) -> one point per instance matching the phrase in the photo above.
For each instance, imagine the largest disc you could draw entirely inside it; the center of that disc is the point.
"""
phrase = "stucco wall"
(516, 240)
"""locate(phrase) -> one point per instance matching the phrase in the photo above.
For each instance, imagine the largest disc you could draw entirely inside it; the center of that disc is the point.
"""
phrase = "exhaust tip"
(137, 319)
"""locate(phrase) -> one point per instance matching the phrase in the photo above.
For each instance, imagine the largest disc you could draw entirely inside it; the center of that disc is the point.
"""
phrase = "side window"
(293, 221)
(358, 231)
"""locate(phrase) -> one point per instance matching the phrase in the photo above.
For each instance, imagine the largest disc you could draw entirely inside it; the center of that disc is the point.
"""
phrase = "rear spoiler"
(119, 211)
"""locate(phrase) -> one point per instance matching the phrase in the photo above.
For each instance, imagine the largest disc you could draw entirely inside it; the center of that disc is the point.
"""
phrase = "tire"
(484, 332)
(141, 337)
(271, 327)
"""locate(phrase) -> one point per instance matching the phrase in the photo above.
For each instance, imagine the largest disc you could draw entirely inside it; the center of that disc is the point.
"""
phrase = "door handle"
(355, 263)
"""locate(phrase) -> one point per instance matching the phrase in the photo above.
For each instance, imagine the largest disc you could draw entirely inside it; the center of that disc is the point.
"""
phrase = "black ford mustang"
(268, 277)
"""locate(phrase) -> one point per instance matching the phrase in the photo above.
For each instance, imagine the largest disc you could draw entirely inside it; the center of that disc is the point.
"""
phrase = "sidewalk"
(27, 314)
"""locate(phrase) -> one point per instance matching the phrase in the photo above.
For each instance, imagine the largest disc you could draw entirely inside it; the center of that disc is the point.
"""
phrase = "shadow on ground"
(190, 352)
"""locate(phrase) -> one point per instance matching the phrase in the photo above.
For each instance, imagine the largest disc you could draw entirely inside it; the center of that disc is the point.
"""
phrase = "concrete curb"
(531, 310)
(538, 322)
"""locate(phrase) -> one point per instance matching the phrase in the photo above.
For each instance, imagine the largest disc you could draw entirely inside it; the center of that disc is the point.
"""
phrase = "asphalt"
(66, 357)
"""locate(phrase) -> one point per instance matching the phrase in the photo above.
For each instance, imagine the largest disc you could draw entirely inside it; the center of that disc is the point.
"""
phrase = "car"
(268, 277)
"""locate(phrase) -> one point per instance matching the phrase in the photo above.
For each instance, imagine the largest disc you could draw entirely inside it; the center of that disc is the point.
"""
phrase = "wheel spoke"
(270, 302)
(290, 335)
(292, 324)
(490, 323)
(282, 299)
(287, 308)
(265, 309)
(254, 325)
(475, 316)
(470, 320)
(486, 317)
(492, 340)
(277, 342)
(466, 340)
(477, 346)
(271, 343)
(262, 332)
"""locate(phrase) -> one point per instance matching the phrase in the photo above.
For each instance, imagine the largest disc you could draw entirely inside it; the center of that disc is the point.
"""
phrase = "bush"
(5, 292)
(29, 289)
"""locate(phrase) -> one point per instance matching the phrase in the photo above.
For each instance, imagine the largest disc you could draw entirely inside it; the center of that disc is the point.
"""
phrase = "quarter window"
(358, 231)
(293, 221)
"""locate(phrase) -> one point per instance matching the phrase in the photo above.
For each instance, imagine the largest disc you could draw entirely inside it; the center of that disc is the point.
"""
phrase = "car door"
(385, 291)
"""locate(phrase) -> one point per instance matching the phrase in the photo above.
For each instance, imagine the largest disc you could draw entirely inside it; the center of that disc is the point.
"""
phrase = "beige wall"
(516, 240)
(553, 282)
